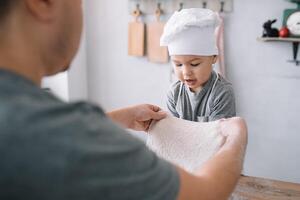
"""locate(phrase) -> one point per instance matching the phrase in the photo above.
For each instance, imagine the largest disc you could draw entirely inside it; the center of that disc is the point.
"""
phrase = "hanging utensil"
(136, 35)
(155, 52)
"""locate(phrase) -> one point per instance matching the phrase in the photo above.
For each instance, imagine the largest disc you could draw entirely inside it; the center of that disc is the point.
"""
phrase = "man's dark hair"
(5, 6)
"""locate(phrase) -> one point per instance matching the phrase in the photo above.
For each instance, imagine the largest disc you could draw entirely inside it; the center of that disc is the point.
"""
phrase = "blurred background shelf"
(148, 7)
(268, 39)
(294, 41)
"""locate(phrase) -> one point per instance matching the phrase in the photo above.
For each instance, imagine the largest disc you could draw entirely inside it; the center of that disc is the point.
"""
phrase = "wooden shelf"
(267, 39)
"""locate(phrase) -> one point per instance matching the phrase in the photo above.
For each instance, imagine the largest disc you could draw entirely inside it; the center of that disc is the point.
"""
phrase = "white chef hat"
(191, 32)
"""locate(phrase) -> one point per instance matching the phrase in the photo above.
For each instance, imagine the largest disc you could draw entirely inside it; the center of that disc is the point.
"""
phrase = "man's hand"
(235, 131)
(142, 116)
(137, 117)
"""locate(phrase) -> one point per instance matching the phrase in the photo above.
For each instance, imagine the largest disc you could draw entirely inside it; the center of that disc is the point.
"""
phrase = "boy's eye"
(195, 65)
(178, 65)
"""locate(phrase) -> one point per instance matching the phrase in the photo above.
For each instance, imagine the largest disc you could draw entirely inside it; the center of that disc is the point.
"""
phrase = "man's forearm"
(121, 116)
(222, 173)
(223, 170)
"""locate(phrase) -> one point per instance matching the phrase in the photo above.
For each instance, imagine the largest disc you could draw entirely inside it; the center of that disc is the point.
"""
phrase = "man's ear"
(215, 59)
(44, 10)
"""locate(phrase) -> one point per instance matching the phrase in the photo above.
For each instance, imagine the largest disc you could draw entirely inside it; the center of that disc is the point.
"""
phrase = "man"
(53, 150)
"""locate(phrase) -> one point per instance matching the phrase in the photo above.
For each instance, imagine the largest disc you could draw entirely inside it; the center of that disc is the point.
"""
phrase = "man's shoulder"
(35, 111)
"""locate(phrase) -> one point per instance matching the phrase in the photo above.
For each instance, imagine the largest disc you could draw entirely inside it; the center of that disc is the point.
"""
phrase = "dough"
(185, 143)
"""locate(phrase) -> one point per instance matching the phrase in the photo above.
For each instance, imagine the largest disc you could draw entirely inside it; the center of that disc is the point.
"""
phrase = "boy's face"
(194, 71)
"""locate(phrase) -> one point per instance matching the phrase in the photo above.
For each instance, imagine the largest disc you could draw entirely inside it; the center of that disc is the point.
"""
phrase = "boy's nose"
(186, 71)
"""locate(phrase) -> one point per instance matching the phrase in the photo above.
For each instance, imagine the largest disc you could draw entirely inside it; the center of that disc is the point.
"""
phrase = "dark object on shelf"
(295, 53)
(268, 30)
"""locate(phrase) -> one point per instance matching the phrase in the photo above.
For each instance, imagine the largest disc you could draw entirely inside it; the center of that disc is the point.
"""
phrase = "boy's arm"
(217, 178)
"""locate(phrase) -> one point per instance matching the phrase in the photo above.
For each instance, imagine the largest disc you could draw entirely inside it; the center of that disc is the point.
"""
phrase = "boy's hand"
(138, 117)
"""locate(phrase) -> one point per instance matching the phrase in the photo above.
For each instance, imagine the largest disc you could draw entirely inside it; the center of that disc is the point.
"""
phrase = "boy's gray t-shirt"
(215, 101)
(50, 149)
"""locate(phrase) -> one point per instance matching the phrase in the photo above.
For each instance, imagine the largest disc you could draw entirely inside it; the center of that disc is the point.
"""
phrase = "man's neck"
(17, 57)
(34, 76)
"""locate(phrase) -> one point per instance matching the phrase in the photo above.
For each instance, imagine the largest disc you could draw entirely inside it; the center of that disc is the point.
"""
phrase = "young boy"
(200, 94)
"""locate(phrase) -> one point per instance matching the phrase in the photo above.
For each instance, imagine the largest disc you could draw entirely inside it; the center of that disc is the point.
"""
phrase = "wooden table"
(250, 188)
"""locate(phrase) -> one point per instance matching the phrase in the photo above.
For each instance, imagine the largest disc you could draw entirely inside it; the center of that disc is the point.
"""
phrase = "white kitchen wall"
(78, 74)
(58, 85)
(267, 90)
(266, 86)
(114, 79)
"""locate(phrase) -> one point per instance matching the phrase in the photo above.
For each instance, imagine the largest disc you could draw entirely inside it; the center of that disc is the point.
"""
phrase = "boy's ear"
(215, 58)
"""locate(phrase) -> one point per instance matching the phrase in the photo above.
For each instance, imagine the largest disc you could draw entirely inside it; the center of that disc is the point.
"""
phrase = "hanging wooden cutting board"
(155, 52)
(136, 36)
